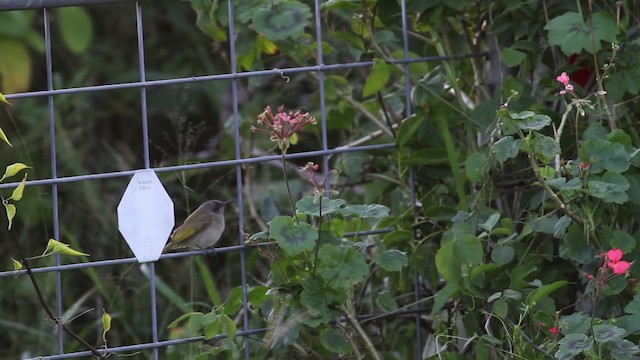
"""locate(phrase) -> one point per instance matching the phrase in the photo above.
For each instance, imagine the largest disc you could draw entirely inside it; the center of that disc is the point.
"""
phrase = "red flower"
(585, 166)
(564, 79)
(554, 330)
(615, 263)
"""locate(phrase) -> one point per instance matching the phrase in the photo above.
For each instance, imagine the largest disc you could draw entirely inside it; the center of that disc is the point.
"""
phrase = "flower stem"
(315, 258)
(286, 181)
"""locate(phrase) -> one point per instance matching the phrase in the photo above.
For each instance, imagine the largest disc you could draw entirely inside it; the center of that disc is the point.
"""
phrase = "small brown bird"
(201, 229)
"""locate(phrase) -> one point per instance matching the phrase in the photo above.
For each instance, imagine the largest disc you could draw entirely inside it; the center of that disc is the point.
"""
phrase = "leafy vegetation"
(509, 198)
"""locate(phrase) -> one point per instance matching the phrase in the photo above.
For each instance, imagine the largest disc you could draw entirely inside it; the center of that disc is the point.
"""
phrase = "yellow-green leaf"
(106, 324)
(15, 65)
(4, 99)
(18, 191)
(17, 265)
(4, 137)
(56, 247)
(14, 169)
(11, 213)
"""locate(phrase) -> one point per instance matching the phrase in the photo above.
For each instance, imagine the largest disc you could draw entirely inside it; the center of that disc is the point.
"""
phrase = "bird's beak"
(229, 202)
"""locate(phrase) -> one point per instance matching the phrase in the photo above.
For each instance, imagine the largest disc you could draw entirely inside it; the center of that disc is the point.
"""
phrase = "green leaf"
(612, 187)
(76, 28)
(535, 122)
(234, 301)
(615, 286)
(519, 276)
(573, 34)
(502, 254)
(291, 237)
(258, 295)
(560, 227)
(506, 148)
(633, 307)
(16, 69)
(314, 296)
(523, 115)
(386, 302)
(56, 247)
(500, 308)
(491, 222)
(447, 263)
(604, 333)
(342, 268)
(604, 155)
(310, 205)
(576, 323)
(377, 79)
(282, 20)
(392, 260)
(450, 290)
(451, 256)
(536, 295)
(228, 326)
(572, 345)
(622, 349)
(334, 341)
(545, 148)
(623, 241)
(474, 166)
(512, 57)
(11, 213)
(375, 211)
(16, 195)
(577, 246)
(13, 169)
(182, 317)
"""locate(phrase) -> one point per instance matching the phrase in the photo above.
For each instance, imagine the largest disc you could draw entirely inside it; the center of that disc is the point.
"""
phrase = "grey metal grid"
(320, 68)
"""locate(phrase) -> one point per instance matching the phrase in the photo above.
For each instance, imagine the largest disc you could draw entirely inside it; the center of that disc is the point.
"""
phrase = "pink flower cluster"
(282, 125)
(564, 79)
(615, 262)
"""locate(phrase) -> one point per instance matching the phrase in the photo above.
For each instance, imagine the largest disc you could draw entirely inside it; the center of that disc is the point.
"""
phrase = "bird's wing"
(184, 231)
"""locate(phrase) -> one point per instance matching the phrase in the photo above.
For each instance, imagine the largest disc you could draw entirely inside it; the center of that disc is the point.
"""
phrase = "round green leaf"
(283, 19)
(76, 28)
(386, 302)
(474, 166)
(623, 241)
(502, 254)
(310, 205)
(334, 341)
(392, 260)
(603, 333)
(341, 267)
(293, 238)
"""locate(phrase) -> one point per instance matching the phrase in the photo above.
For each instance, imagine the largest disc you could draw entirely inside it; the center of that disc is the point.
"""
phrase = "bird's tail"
(169, 247)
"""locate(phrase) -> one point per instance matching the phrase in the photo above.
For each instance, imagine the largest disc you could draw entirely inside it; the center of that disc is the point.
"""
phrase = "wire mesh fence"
(143, 86)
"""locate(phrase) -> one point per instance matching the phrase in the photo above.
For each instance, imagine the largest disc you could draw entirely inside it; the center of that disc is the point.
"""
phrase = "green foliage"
(501, 195)
(573, 34)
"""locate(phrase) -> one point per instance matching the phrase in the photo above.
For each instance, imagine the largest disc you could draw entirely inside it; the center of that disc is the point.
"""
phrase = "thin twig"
(356, 325)
(56, 320)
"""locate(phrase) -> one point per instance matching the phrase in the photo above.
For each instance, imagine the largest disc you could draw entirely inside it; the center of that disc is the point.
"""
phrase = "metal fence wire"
(233, 76)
